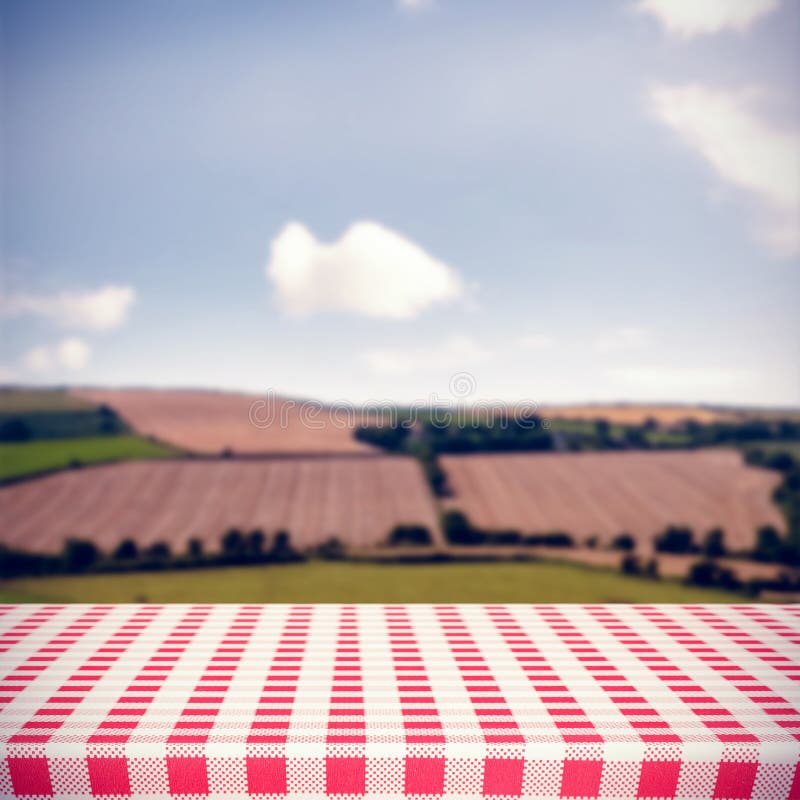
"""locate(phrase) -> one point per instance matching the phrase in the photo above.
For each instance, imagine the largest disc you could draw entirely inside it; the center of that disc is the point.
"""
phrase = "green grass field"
(18, 459)
(347, 582)
(16, 401)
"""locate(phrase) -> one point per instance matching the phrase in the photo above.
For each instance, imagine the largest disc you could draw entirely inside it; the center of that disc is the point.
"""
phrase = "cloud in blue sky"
(590, 166)
(688, 18)
(744, 150)
(96, 310)
(71, 353)
(370, 271)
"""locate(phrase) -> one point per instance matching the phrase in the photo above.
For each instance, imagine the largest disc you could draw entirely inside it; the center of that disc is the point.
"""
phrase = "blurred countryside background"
(400, 301)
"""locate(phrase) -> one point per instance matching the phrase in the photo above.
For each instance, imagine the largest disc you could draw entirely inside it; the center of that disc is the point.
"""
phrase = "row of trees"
(770, 546)
(80, 555)
(461, 432)
(459, 530)
(787, 496)
(709, 573)
(499, 432)
(602, 435)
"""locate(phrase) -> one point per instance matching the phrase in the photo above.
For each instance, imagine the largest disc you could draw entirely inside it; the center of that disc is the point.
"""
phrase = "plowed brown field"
(357, 499)
(608, 493)
(210, 422)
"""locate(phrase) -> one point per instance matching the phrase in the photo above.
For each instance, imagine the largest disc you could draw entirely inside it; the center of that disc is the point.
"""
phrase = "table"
(307, 701)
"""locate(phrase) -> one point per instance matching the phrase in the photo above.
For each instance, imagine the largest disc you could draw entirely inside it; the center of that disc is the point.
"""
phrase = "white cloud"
(71, 353)
(454, 353)
(98, 310)
(622, 339)
(370, 270)
(687, 18)
(744, 150)
(535, 341)
(414, 5)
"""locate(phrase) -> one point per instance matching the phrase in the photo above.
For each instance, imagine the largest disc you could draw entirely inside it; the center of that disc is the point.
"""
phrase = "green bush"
(624, 541)
(554, 539)
(126, 551)
(769, 544)
(709, 573)
(676, 539)
(714, 544)
(651, 569)
(233, 544)
(504, 537)
(332, 549)
(282, 550)
(80, 555)
(458, 530)
(435, 475)
(781, 460)
(630, 565)
(194, 549)
(158, 551)
(255, 543)
(14, 563)
(15, 429)
(785, 582)
(389, 437)
(410, 535)
(636, 438)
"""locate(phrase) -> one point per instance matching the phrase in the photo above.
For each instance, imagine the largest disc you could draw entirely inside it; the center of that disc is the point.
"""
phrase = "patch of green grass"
(336, 582)
(584, 427)
(668, 438)
(20, 401)
(16, 597)
(19, 459)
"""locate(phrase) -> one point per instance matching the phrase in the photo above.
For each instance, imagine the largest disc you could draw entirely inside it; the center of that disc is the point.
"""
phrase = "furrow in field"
(357, 499)
(609, 493)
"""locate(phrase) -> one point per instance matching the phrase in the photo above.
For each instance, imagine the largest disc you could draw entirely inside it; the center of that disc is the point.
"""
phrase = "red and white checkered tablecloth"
(306, 701)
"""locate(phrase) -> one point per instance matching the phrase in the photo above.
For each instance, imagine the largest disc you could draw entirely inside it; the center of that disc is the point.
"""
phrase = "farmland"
(213, 422)
(607, 493)
(357, 499)
(664, 415)
(315, 480)
(344, 582)
(19, 459)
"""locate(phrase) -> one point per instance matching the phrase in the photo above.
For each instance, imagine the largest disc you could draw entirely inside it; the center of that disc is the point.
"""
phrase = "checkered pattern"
(314, 701)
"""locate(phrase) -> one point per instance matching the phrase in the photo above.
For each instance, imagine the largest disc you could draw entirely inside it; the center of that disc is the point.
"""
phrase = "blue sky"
(570, 201)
